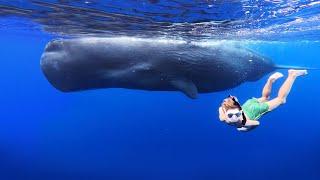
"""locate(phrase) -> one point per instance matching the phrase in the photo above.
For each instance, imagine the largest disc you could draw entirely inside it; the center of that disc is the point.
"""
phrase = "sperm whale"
(156, 65)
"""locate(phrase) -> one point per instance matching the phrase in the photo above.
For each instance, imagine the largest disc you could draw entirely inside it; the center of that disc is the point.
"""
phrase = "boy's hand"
(243, 129)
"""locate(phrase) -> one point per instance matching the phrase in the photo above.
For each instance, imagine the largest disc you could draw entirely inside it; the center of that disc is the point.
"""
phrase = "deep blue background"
(127, 134)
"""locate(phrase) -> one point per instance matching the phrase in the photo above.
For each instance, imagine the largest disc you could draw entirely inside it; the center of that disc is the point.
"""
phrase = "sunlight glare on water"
(203, 19)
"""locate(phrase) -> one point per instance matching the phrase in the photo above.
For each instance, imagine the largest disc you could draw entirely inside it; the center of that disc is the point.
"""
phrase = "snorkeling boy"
(245, 117)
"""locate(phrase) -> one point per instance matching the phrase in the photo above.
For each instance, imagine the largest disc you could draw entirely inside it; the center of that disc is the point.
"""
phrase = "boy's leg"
(268, 86)
(285, 88)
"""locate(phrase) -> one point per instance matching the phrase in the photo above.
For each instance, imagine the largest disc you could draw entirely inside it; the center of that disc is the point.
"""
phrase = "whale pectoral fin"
(187, 87)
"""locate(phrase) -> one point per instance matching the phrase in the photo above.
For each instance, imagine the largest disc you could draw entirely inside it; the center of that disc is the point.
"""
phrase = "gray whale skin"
(147, 64)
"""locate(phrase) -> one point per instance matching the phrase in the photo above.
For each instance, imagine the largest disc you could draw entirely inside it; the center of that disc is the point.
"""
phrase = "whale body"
(147, 64)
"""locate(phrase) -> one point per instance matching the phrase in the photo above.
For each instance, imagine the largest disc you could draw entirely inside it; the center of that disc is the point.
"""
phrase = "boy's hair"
(229, 104)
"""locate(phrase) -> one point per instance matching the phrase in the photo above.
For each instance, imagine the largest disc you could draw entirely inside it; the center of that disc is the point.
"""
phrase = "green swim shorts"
(255, 109)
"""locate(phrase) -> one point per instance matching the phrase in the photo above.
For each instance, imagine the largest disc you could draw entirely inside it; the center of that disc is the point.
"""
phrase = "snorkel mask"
(234, 115)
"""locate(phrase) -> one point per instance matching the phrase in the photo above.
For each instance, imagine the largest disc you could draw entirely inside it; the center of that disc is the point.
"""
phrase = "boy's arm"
(222, 115)
(250, 125)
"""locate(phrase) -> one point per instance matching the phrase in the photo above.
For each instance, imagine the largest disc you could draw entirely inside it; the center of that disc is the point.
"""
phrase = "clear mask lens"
(233, 115)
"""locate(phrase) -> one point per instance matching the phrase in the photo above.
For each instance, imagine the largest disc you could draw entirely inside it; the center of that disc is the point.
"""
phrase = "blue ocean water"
(134, 134)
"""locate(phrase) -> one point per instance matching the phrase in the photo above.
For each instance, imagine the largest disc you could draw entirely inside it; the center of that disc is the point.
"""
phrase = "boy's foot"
(275, 76)
(297, 73)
